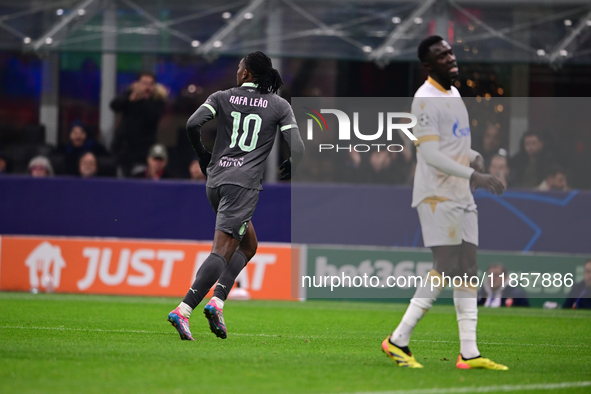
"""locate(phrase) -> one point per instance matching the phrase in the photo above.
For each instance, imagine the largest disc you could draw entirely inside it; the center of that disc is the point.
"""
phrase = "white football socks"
(466, 305)
(185, 310)
(219, 303)
(420, 303)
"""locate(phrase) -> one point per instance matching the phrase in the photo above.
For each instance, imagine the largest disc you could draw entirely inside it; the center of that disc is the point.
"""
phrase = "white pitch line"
(79, 329)
(488, 389)
(264, 335)
(500, 343)
(138, 331)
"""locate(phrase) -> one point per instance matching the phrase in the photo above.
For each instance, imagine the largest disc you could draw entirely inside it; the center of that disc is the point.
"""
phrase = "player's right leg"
(214, 309)
(437, 224)
(445, 258)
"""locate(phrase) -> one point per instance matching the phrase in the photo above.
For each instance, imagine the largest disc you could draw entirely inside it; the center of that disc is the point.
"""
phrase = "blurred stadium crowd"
(135, 154)
(150, 139)
(535, 166)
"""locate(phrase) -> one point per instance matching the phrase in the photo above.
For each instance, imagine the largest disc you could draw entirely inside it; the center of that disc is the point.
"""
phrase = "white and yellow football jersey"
(441, 116)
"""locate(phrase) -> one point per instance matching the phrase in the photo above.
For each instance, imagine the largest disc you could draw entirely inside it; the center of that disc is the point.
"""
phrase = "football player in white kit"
(446, 168)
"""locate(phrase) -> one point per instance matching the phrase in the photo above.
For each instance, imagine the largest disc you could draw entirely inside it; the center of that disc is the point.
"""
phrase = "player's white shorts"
(448, 223)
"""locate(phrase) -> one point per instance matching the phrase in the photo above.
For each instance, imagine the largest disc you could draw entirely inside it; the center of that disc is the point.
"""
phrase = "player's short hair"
(266, 77)
(425, 45)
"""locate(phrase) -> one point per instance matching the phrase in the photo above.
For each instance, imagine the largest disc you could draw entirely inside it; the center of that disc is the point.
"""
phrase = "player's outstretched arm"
(198, 119)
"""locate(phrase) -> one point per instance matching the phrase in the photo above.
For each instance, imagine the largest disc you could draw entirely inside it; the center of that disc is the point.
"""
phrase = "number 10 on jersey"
(245, 126)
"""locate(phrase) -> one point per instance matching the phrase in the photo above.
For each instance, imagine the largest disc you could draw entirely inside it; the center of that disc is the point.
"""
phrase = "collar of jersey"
(436, 84)
(249, 85)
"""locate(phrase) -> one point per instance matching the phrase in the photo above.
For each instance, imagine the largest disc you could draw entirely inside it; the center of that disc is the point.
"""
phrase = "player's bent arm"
(429, 151)
(198, 119)
(473, 155)
(294, 140)
(476, 161)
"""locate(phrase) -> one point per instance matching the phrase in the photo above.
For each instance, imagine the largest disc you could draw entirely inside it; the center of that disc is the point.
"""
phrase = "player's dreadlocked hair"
(425, 45)
(267, 77)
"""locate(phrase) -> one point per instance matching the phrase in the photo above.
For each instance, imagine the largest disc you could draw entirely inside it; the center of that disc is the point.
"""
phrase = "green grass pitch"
(100, 344)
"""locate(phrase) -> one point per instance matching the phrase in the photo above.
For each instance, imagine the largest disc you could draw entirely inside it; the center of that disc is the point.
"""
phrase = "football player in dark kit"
(248, 118)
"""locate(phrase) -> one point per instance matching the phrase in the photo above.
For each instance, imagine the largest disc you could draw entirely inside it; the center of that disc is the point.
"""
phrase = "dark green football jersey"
(247, 124)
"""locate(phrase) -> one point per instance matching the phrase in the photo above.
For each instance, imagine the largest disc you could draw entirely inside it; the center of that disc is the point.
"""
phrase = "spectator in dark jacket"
(141, 108)
(78, 144)
(580, 295)
(530, 165)
(499, 293)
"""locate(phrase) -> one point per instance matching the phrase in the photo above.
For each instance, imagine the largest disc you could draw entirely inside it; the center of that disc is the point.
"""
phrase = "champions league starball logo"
(390, 119)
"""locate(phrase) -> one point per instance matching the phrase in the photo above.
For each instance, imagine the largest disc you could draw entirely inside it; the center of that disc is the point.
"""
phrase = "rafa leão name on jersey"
(251, 101)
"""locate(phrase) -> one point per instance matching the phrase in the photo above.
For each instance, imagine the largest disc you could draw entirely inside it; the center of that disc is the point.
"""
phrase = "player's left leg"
(224, 246)
(214, 308)
(246, 251)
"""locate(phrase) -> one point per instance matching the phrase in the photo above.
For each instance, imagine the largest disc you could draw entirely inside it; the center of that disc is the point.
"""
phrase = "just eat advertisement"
(133, 267)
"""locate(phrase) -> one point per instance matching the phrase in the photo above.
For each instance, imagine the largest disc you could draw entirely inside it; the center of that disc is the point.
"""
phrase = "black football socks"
(226, 282)
(208, 273)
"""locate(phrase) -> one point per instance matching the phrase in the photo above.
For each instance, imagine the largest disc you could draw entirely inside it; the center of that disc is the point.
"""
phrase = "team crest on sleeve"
(423, 120)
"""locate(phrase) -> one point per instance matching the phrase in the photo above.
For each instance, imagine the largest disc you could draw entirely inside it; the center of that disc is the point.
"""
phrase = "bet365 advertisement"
(365, 272)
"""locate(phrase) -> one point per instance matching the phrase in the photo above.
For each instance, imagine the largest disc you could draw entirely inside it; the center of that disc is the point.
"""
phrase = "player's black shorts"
(234, 206)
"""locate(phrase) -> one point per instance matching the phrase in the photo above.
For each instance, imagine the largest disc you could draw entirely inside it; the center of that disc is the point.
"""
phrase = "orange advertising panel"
(135, 267)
